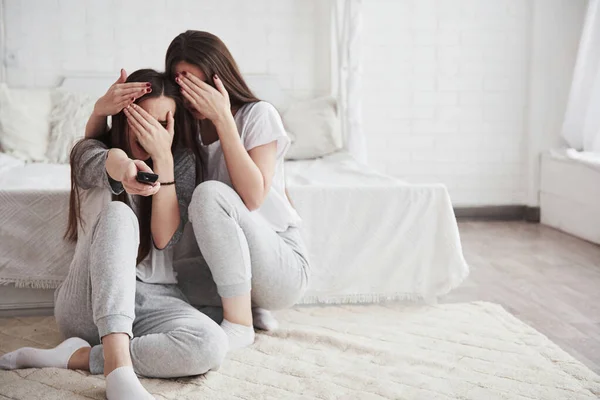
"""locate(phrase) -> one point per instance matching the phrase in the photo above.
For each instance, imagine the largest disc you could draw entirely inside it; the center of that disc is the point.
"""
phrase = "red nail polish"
(184, 73)
(148, 90)
(148, 84)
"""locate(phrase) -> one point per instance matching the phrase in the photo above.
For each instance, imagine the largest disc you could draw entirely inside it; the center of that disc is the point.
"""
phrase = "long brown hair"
(118, 137)
(209, 53)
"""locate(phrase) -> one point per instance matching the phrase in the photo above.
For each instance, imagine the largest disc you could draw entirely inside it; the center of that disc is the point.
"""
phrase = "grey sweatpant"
(101, 295)
(240, 254)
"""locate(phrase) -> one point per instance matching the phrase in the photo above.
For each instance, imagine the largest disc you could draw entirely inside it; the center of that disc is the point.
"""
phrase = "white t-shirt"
(258, 124)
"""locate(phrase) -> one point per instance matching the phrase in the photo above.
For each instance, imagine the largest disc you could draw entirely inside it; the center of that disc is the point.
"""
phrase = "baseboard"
(25, 301)
(498, 213)
(532, 214)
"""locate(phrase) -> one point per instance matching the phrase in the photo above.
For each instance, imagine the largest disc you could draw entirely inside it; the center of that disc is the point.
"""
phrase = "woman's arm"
(96, 125)
(251, 172)
(97, 166)
(165, 208)
(185, 176)
(157, 141)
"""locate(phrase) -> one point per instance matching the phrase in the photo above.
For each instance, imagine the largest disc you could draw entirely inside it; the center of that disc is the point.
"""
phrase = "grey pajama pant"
(240, 254)
(170, 338)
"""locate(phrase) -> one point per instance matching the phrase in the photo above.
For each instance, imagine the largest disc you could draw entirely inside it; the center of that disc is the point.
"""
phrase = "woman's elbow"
(253, 202)
(160, 244)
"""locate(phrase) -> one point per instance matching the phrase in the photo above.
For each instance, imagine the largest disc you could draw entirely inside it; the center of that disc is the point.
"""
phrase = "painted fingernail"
(177, 80)
(132, 100)
(148, 84)
(184, 73)
(148, 90)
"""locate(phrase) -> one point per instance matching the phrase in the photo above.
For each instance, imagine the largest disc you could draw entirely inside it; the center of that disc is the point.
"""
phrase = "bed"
(569, 192)
(33, 215)
(370, 237)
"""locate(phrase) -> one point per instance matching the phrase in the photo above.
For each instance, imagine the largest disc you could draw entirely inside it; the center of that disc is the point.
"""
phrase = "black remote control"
(146, 177)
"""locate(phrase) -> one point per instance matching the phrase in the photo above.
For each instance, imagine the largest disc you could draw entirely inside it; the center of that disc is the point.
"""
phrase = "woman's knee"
(117, 213)
(206, 349)
(207, 197)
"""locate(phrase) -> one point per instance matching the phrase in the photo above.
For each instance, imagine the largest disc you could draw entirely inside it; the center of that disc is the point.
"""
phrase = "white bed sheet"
(370, 237)
(33, 215)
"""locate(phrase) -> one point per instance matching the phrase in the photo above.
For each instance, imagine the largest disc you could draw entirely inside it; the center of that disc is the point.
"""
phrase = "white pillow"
(70, 113)
(24, 122)
(313, 127)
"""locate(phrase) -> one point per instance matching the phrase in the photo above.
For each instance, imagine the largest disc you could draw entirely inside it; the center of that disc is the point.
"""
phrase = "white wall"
(464, 92)
(47, 39)
(447, 88)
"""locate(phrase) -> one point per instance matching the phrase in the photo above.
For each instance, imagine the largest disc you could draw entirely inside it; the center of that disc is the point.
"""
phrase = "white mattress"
(370, 237)
(569, 192)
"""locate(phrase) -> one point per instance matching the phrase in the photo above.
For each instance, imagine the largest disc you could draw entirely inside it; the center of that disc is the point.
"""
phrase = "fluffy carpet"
(452, 351)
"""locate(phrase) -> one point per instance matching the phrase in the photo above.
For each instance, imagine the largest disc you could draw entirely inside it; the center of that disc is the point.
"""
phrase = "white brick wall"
(449, 85)
(445, 85)
(47, 39)
(448, 91)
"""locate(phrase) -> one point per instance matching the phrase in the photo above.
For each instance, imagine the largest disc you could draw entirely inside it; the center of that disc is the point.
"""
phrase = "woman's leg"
(171, 338)
(243, 254)
(97, 294)
(97, 300)
(98, 297)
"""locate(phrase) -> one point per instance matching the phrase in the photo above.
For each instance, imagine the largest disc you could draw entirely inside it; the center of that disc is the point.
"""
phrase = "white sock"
(123, 384)
(239, 335)
(28, 357)
(263, 319)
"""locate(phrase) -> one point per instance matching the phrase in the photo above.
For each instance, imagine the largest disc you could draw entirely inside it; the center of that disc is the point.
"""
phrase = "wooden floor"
(546, 278)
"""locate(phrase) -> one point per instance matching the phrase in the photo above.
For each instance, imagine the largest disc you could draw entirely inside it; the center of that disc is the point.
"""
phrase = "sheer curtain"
(581, 128)
(346, 76)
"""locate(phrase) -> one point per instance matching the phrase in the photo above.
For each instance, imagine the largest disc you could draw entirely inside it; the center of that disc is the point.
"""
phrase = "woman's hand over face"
(212, 103)
(154, 138)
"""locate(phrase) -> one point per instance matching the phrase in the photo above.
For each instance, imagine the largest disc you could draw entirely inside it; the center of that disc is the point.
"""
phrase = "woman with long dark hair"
(120, 295)
(245, 225)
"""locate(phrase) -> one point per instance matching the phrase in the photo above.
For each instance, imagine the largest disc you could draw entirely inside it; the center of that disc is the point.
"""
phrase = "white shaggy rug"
(452, 351)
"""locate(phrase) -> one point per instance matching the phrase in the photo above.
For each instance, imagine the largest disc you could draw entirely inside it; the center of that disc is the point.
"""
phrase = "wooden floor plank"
(546, 278)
